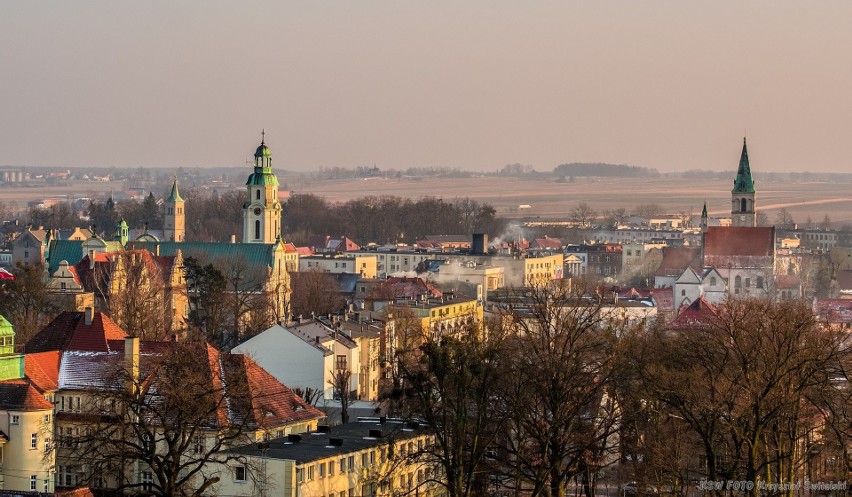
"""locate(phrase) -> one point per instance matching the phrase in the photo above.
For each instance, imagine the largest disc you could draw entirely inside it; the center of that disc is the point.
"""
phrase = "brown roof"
(548, 243)
(20, 395)
(739, 246)
(663, 298)
(42, 369)
(677, 259)
(698, 313)
(272, 402)
(69, 331)
(93, 278)
(834, 310)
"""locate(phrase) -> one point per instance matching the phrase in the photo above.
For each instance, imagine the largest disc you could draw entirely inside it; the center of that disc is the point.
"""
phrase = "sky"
(477, 84)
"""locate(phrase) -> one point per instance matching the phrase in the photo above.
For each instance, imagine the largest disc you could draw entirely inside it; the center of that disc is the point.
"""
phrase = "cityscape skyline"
(475, 86)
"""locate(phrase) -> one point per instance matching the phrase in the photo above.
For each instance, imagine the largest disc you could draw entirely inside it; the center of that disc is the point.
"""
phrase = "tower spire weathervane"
(263, 136)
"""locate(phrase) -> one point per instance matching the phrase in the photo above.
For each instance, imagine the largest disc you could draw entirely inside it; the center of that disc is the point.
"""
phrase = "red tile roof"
(273, 404)
(69, 331)
(20, 395)
(834, 310)
(663, 298)
(548, 243)
(699, 313)
(42, 369)
(739, 246)
(677, 259)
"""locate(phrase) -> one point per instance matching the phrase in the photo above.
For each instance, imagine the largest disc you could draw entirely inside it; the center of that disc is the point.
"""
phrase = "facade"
(262, 209)
(743, 211)
(364, 265)
(364, 458)
(30, 246)
(306, 355)
(26, 424)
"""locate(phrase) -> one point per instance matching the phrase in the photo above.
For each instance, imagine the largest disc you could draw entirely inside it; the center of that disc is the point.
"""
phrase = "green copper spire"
(175, 195)
(263, 175)
(743, 183)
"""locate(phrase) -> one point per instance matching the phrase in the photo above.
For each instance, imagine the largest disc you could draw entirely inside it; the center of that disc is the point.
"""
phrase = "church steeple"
(174, 220)
(704, 219)
(743, 195)
(262, 210)
(743, 183)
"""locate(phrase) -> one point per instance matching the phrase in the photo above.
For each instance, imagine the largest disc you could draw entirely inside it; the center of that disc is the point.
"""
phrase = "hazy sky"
(469, 84)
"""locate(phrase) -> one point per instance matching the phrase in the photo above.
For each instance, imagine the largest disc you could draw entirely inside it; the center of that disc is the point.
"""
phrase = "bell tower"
(262, 210)
(742, 195)
(174, 219)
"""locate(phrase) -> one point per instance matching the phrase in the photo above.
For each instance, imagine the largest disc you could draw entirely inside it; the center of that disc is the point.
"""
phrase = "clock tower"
(262, 210)
(742, 195)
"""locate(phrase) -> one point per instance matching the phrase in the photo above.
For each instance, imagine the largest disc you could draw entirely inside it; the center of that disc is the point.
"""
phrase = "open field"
(547, 199)
(551, 200)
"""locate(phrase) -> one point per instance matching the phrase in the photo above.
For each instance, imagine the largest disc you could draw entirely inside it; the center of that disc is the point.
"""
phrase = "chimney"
(375, 434)
(131, 363)
(233, 238)
(335, 442)
(90, 315)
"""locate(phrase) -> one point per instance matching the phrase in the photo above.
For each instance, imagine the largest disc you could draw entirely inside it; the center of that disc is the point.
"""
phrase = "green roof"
(258, 256)
(262, 151)
(64, 250)
(6, 328)
(744, 183)
(175, 195)
(261, 177)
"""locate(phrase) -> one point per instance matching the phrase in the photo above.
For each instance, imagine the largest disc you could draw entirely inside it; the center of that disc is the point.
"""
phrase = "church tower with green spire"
(742, 196)
(174, 220)
(262, 210)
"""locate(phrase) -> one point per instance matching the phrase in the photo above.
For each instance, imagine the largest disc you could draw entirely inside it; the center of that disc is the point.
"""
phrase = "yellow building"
(26, 424)
(364, 458)
(365, 265)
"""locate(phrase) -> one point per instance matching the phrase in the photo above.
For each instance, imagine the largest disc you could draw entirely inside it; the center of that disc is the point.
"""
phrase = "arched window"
(738, 283)
(743, 205)
(257, 196)
(257, 231)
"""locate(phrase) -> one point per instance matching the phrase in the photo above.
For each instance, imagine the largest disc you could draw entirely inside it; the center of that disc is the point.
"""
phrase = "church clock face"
(257, 211)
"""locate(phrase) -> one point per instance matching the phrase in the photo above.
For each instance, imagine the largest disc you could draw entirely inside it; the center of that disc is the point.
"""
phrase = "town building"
(364, 265)
(371, 457)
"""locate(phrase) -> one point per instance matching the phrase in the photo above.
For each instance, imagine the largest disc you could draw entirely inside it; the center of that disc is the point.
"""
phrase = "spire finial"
(263, 136)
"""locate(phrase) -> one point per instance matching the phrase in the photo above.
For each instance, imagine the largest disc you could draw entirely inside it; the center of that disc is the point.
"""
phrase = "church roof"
(739, 246)
(743, 183)
(175, 194)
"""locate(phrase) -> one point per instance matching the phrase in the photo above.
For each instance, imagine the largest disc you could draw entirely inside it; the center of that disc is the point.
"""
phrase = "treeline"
(386, 219)
(563, 390)
(601, 169)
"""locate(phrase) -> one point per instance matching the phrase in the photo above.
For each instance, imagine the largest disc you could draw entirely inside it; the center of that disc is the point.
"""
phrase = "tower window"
(257, 230)
(257, 195)
(743, 205)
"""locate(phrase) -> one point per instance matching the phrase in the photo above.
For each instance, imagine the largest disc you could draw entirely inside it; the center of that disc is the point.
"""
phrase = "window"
(147, 480)
(33, 482)
(34, 441)
(364, 459)
(760, 282)
(342, 465)
(198, 444)
(743, 205)
(310, 473)
(47, 444)
(372, 457)
(748, 282)
(257, 229)
(351, 461)
(240, 473)
(322, 470)
(16, 419)
(713, 281)
(257, 194)
(738, 283)
(683, 293)
(330, 468)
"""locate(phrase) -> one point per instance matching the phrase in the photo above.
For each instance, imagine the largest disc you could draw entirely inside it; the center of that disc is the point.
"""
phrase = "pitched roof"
(42, 369)
(20, 395)
(64, 250)
(698, 313)
(663, 298)
(547, 243)
(739, 246)
(403, 288)
(272, 403)
(677, 259)
(69, 331)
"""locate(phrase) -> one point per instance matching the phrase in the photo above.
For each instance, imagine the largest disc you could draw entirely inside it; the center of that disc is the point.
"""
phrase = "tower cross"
(263, 136)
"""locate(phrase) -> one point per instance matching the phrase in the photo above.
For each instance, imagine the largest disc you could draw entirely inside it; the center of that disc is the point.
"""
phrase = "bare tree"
(583, 214)
(340, 383)
(558, 399)
(173, 415)
(133, 289)
(649, 210)
(784, 219)
(315, 292)
(26, 302)
(616, 217)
